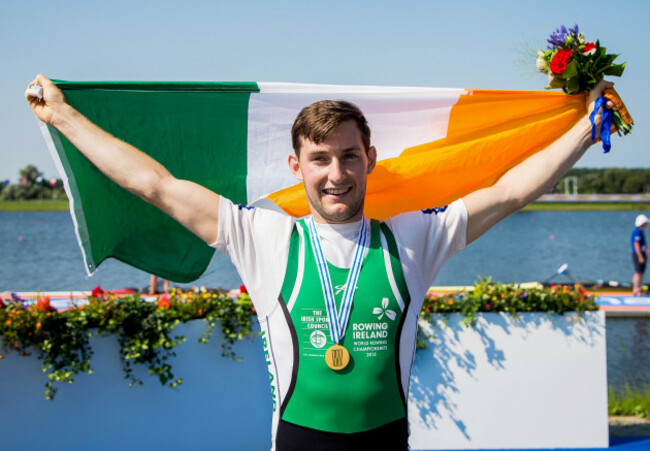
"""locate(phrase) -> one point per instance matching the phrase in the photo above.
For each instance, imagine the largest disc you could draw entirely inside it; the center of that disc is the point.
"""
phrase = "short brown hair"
(318, 121)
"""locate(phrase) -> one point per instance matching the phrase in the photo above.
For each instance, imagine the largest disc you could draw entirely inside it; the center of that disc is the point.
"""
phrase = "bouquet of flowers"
(576, 66)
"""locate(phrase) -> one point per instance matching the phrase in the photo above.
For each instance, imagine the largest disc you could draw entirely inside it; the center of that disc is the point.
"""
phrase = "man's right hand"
(52, 102)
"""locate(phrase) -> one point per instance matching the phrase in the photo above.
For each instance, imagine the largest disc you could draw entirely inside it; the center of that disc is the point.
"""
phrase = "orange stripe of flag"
(489, 132)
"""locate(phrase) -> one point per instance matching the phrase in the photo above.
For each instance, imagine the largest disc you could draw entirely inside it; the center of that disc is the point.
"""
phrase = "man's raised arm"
(194, 206)
(531, 178)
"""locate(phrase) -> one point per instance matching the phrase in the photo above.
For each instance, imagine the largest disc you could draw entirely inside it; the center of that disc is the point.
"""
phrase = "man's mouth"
(336, 191)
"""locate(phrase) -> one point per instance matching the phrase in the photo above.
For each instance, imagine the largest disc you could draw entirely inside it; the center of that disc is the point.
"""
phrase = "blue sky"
(466, 44)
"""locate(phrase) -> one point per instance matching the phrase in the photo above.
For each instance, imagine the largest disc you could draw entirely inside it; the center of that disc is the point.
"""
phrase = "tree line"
(31, 185)
(608, 181)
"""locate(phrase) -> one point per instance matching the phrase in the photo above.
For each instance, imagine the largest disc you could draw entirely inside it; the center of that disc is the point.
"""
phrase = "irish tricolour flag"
(434, 146)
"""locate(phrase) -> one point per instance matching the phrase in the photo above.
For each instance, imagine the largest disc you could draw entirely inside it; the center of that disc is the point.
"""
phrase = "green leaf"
(556, 83)
(615, 70)
(573, 85)
(570, 71)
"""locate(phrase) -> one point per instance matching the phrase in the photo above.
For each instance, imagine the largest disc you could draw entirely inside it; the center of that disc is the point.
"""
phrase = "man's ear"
(372, 159)
(294, 165)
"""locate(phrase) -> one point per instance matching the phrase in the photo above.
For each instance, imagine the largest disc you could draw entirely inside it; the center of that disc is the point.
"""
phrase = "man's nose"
(336, 173)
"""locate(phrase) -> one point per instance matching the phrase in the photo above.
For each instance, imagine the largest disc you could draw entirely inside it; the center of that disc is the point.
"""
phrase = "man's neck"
(318, 219)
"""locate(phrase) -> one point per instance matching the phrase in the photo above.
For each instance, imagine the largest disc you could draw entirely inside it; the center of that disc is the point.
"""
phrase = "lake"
(39, 251)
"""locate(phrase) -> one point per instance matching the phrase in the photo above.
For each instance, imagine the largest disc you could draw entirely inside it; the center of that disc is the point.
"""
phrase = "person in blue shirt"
(639, 253)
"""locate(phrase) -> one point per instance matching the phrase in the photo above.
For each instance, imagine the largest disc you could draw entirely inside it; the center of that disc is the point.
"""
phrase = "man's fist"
(49, 102)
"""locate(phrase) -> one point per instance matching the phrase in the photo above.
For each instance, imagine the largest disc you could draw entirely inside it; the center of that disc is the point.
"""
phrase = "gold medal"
(337, 357)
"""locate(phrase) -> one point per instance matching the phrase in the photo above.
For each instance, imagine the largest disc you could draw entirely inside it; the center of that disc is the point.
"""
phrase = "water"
(628, 352)
(39, 251)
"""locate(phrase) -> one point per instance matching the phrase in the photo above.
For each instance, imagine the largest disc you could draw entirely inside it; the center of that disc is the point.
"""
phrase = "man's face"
(334, 173)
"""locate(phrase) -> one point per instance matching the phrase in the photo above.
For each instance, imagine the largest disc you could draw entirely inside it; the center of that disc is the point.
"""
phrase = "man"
(337, 295)
(639, 253)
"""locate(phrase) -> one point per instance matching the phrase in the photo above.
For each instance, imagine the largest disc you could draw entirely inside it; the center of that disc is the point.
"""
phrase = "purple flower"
(18, 300)
(523, 295)
(557, 40)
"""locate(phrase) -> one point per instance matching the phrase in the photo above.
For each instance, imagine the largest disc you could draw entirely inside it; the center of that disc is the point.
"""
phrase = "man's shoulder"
(241, 223)
(263, 209)
(450, 212)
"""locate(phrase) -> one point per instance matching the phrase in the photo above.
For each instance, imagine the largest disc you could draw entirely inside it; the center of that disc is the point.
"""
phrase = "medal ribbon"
(338, 321)
(606, 123)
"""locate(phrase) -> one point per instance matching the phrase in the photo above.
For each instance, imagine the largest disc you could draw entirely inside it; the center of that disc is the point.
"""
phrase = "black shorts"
(638, 266)
(392, 436)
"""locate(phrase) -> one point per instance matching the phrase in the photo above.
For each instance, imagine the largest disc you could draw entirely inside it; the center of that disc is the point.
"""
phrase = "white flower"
(541, 63)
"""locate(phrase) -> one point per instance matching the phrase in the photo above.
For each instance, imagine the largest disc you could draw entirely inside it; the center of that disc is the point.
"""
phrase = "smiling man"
(332, 157)
(337, 294)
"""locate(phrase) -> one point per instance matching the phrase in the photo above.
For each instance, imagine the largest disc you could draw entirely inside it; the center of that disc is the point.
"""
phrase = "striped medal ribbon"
(337, 357)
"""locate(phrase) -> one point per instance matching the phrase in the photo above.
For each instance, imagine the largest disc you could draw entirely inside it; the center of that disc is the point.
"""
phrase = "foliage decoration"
(61, 339)
(486, 297)
(144, 329)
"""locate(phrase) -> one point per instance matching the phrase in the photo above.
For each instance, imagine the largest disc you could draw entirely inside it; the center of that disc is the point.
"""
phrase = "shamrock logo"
(383, 310)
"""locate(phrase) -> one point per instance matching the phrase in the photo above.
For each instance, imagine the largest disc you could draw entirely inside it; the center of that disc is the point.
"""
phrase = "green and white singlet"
(367, 393)
(274, 257)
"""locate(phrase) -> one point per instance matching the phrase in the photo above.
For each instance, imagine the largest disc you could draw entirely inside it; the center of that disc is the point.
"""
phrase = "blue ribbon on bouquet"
(605, 125)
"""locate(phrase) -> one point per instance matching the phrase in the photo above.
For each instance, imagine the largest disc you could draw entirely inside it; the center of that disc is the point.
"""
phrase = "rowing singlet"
(368, 392)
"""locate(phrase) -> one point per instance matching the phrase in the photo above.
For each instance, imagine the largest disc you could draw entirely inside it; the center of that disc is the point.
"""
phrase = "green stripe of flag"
(168, 121)
(201, 86)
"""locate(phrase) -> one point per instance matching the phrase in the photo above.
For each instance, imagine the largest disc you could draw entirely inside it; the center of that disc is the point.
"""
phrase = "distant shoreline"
(34, 205)
(58, 205)
(587, 206)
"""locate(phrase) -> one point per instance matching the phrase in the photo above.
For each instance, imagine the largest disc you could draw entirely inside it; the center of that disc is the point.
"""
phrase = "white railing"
(634, 198)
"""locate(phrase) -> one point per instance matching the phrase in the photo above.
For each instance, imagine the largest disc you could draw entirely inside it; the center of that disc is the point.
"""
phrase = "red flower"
(590, 48)
(97, 292)
(43, 305)
(164, 302)
(2, 304)
(242, 289)
(560, 61)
